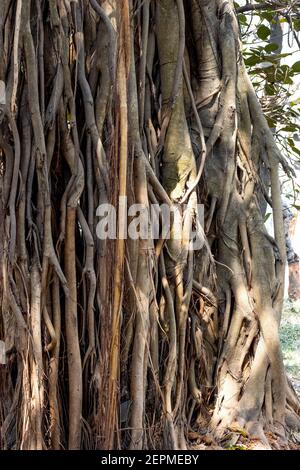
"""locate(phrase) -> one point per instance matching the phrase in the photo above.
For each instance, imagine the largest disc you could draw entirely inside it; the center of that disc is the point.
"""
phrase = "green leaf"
(288, 81)
(290, 128)
(272, 47)
(296, 67)
(253, 60)
(267, 216)
(295, 102)
(296, 151)
(263, 32)
(296, 25)
(269, 89)
(243, 19)
(271, 122)
(267, 15)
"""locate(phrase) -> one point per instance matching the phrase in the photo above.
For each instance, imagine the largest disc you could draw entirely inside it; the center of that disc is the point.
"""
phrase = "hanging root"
(154, 341)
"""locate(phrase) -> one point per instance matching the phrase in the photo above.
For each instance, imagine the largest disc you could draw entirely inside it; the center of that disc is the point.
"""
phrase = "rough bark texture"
(138, 343)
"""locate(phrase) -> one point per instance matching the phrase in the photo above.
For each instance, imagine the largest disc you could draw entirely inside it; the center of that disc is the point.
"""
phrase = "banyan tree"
(136, 342)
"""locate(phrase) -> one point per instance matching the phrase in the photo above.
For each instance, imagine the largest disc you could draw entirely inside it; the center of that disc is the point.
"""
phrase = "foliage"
(290, 337)
(133, 343)
(275, 81)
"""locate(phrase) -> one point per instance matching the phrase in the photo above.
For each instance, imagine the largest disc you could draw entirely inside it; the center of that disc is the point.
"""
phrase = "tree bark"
(136, 343)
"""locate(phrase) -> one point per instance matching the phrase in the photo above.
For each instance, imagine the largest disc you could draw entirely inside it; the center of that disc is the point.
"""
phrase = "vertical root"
(71, 321)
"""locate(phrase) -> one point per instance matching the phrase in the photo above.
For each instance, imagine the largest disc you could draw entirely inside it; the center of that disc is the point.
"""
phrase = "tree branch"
(259, 6)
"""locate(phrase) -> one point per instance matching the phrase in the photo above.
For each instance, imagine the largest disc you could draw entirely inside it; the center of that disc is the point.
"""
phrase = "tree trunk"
(143, 342)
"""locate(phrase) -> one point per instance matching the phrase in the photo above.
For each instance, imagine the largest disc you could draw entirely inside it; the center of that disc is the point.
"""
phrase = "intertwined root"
(136, 343)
